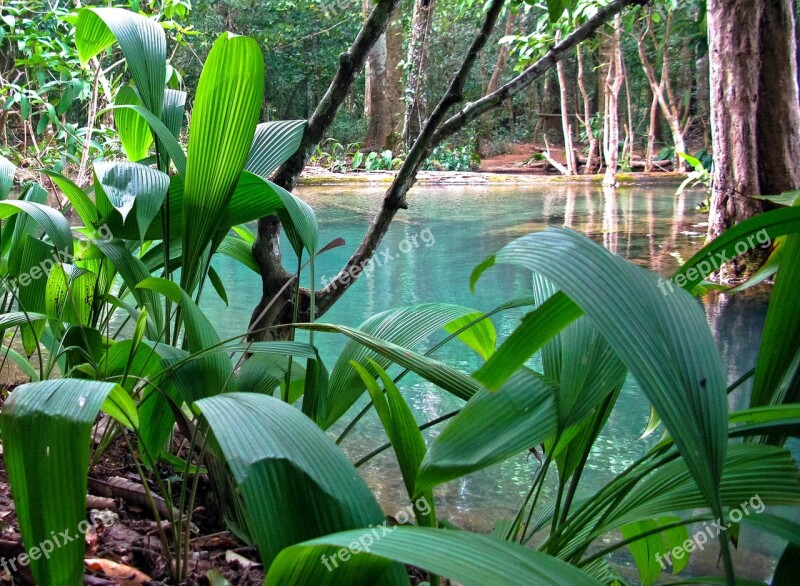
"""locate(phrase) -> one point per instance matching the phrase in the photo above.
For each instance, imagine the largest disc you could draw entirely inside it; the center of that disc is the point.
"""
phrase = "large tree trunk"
(613, 85)
(755, 113)
(416, 64)
(383, 95)
(375, 84)
(651, 136)
(395, 104)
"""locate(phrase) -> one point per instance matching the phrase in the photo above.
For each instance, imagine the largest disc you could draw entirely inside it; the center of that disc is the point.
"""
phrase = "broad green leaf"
(480, 336)
(51, 221)
(273, 143)
(406, 327)
(239, 250)
(85, 207)
(295, 482)
(46, 429)
(7, 172)
(780, 339)
(536, 329)
(128, 184)
(134, 131)
(174, 110)
(404, 434)
(738, 239)
(142, 41)
(226, 108)
(164, 135)
(491, 427)
(645, 550)
(664, 340)
(466, 558)
(299, 222)
(70, 293)
(203, 375)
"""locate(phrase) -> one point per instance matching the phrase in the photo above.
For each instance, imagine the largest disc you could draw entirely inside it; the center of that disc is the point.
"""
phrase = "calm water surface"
(455, 229)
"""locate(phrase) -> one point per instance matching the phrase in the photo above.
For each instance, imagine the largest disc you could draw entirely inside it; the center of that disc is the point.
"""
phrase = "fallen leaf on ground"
(126, 575)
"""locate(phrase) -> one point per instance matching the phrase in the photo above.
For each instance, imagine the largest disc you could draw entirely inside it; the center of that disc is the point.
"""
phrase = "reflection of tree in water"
(736, 322)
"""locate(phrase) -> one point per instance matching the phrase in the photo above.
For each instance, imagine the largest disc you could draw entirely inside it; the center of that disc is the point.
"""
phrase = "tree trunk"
(395, 105)
(416, 64)
(383, 93)
(569, 151)
(651, 136)
(587, 115)
(502, 54)
(614, 80)
(375, 95)
(662, 88)
(755, 113)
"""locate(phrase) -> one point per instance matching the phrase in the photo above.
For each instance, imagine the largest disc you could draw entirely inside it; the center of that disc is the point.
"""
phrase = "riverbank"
(319, 176)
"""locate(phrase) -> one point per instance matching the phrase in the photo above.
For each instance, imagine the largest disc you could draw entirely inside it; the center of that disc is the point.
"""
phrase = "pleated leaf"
(295, 481)
(776, 378)
(466, 558)
(46, 429)
(273, 143)
(142, 41)
(130, 184)
(406, 327)
(7, 172)
(204, 375)
(53, 223)
(491, 427)
(737, 239)
(664, 340)
(404, 434)
(134, 131)
(226, 109)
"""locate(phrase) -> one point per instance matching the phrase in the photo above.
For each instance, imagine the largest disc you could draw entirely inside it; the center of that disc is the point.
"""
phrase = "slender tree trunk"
(651, 136)
(416, 64)
(755, 113)
(587, 114)
(569, 151)
(662, 88)
(502, 54)
(614, 80)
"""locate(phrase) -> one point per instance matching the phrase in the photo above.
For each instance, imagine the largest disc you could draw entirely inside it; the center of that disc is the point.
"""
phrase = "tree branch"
(266, 249)
(432, 136)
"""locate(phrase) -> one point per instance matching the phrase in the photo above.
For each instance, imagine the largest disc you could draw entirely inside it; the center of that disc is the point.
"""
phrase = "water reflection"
(649, 226)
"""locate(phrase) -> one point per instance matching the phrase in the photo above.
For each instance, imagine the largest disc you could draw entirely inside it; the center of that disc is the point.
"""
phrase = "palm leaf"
(295, 482)
(664, 340)
(466, 558)
(142, 41)
(226, 109)
(134, 131)
(273, 143)
(7, 172)
(46, 430)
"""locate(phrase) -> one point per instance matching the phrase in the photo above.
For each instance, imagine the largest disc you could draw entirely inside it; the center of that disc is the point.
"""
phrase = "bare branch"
(433, 135)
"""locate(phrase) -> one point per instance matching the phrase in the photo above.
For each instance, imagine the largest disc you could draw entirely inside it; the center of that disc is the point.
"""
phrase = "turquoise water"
(455, 228)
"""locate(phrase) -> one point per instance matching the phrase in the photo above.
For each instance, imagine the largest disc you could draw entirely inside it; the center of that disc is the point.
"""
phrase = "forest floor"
(519, 165)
